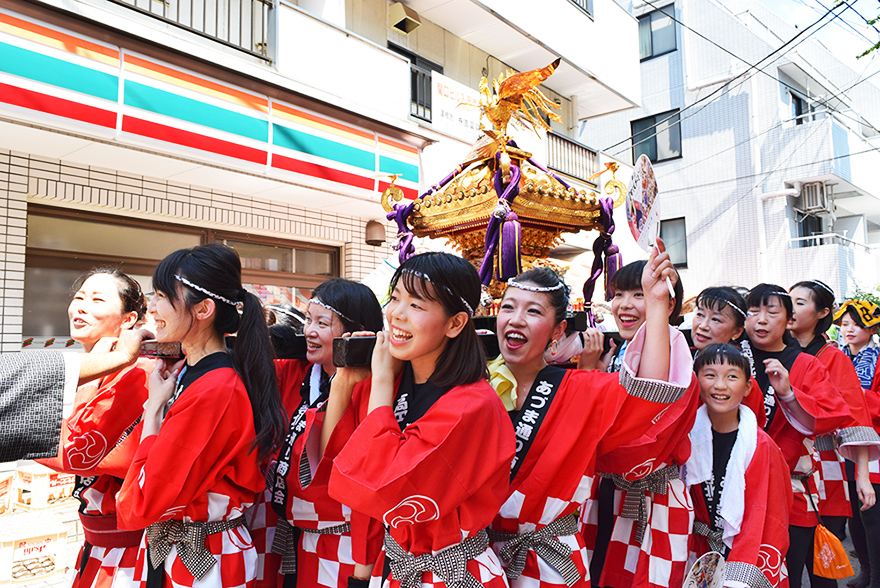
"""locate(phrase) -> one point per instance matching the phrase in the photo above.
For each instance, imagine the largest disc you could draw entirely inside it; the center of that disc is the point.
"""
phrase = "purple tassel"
(509, 244)
(603, 247)
(493, 229)
(613, 262)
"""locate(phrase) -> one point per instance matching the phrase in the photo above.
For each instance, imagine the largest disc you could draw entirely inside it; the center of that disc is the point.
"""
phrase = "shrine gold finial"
(517, 97)
(392, 192)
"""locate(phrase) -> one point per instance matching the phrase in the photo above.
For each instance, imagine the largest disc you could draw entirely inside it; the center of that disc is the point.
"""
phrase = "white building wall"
(735, 147)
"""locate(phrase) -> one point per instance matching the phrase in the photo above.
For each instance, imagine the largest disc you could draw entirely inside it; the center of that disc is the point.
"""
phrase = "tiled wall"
(25, 178)
(13, 213)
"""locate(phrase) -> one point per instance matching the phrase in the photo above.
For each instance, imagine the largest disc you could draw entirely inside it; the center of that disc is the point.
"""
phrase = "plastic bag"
(829, 556)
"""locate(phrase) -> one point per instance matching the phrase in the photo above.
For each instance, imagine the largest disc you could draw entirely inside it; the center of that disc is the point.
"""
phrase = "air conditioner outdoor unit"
(814, 197)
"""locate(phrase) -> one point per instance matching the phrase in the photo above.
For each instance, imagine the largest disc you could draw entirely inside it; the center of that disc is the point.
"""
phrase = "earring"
(554, 347)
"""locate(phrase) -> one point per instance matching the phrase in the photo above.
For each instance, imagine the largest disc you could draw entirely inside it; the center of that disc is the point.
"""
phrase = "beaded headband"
(239, 306)
(320, 302)
(530, 288)
(823, 286)
(730, 304)
(470, 310)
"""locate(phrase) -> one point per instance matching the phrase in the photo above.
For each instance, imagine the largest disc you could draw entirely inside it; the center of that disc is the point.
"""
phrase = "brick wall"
(25, 178)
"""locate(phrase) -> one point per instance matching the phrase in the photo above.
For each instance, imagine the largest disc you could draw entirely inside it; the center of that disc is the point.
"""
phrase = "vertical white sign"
(455, 108)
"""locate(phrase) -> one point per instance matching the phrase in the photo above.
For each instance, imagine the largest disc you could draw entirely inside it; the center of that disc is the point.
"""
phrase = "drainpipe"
(762, 233)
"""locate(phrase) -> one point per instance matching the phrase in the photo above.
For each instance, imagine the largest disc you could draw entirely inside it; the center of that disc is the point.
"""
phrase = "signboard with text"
(455, 108)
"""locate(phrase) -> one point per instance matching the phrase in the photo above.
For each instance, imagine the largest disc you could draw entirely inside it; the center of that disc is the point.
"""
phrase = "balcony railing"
(242, 24)
(829, 239)
(570, 157)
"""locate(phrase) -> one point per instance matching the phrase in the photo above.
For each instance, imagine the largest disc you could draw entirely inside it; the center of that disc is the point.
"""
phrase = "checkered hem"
(746, 573)
(650, 390)
(825, 443)
(857, 435)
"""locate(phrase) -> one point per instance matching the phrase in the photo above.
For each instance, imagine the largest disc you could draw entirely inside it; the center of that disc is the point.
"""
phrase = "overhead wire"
(727, 87)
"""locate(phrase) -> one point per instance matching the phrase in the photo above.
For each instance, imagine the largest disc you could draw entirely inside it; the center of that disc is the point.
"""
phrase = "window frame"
(650, 15)
(419, 66)
(655, 118)
(61, 259)
(679, 264)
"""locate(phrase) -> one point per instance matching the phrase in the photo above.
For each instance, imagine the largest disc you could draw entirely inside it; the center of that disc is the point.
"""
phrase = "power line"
(724, 89)
(764, 132)
(765, 175)
(672, 16)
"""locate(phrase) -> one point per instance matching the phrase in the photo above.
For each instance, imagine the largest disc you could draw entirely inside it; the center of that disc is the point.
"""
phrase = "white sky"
(846, 39)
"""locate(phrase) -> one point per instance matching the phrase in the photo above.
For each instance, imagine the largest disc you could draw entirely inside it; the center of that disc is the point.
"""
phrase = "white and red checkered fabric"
(660, 561)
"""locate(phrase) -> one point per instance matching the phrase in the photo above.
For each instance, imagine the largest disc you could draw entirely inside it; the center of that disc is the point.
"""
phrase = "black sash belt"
(450, 564)
(635, 504)
(713, 537)
(190, 541)
(286, 538)
(545, 544)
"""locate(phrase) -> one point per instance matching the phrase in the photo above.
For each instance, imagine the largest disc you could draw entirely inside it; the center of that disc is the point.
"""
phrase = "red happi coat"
(437, 482)
(872, 401)
(757, 533)
(821, 400)
(98, 444)
(834, 499)
(322, 559)
(202, 466)
(557, 475)
(648, 436)
(755, 402)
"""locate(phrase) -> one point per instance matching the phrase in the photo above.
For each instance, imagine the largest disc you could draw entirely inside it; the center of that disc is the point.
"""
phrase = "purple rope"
(508, 193)
(548, 172)
(605, 255)
(401, 213)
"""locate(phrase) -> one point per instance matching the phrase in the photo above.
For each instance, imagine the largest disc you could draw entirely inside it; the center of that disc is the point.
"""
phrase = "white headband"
(237, 305)
(320, 302)
(530, 288)
(821, 285)
(470, 310)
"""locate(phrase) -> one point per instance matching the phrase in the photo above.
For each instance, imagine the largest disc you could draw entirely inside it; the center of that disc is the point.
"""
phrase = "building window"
(62, 245)
(585, 5)
(658, 137)
(808, 225)
(657, 33)
(420, 82)
(674, 235)
(800, 107)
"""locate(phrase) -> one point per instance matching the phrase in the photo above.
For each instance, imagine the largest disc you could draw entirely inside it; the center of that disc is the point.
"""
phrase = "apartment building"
(132, 128)
(763, 175)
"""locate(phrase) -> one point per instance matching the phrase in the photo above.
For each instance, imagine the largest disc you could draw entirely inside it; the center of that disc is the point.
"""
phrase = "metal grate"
(420, 80)
(242, 24)
(570, 157)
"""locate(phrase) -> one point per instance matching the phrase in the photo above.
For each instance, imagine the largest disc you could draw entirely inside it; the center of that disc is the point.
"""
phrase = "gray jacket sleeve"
(31, 397)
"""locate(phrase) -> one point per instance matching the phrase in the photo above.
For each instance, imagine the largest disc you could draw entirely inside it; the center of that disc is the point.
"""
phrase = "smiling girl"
(425, 445)
(800, 402)
(95, 442)
(314, 531)
(207, 431)
(560, 416)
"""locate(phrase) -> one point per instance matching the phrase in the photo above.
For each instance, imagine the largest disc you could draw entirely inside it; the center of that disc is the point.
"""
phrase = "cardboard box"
(38, 487)
(6, 482)
(31, 548)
